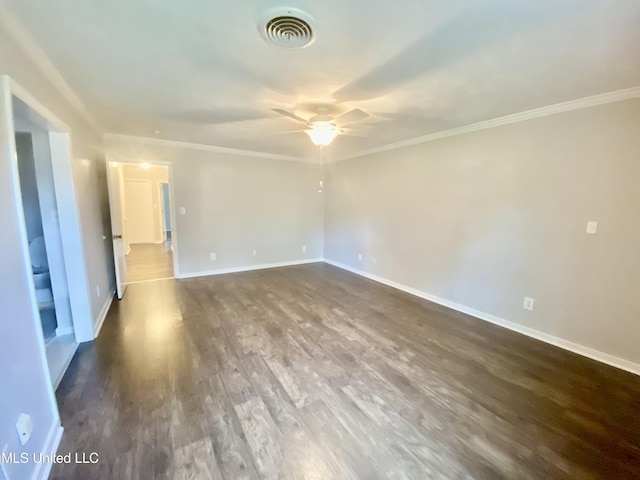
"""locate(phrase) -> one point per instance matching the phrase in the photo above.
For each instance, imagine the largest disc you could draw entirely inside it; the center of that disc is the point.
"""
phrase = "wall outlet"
(592, 227)
(359, 257)
(255, 252)
(374, 260)
(528, 303)
(183, 211)
(304, 248)
(24, 427)
(212, 255)
(98, 290)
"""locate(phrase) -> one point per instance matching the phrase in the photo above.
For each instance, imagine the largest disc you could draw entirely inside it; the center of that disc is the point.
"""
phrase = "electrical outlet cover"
(24, 427)
(528, 303)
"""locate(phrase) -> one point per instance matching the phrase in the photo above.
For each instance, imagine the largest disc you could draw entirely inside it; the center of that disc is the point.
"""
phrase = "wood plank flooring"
(149, 261)
(311, 372)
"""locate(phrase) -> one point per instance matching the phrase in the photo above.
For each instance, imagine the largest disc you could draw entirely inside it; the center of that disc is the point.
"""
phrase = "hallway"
(149, 261)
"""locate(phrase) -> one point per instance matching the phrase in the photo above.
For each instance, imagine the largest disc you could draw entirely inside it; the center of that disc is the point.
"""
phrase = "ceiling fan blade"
(216, 116)
(353, 116)
(290, 115)
(290, 131)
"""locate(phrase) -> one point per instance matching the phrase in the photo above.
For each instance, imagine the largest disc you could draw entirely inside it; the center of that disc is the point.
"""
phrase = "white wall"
(236, 204)
(24, 380)
(486, 218)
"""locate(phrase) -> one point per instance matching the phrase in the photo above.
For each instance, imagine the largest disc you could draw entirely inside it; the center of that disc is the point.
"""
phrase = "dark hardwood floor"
(311, 372)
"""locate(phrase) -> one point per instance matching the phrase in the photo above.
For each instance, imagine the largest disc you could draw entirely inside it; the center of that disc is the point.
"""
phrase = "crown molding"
(569, 106)
(32, 50)
(160, 142)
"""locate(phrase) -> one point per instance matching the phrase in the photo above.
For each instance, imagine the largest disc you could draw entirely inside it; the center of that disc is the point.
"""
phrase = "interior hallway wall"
(236, 204)
(486, 218)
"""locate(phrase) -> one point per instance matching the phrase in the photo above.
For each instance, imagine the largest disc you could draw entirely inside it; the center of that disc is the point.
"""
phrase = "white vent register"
(287, 27)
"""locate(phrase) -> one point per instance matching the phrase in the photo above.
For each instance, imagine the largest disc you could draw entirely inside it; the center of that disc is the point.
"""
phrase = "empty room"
(320, 240)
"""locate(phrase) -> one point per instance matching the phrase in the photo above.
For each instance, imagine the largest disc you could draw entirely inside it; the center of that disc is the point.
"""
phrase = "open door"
(114, 177)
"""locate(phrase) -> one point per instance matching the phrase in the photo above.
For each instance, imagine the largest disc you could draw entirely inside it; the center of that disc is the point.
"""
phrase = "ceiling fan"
(322, 127)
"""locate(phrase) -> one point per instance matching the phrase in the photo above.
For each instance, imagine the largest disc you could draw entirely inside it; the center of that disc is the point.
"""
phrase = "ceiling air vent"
(288, 28)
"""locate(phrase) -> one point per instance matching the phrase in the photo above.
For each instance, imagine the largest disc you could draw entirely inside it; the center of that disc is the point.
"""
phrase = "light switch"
(183, 211)
(592, 227)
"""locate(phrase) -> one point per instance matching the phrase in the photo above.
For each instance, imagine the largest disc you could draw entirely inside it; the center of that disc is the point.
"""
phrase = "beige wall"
(486, 218)
(236, 204)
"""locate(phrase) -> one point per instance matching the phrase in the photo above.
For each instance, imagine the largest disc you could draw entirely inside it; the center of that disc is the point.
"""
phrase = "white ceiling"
(200, 72)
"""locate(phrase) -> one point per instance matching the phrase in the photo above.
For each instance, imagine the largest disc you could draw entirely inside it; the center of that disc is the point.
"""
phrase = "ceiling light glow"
(322, 133)
(145, 165)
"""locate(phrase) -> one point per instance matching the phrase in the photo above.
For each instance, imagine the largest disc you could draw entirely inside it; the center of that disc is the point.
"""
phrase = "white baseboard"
(97, 326)
(56, 382)
(247, 268)
(52, 442)
(530, 332)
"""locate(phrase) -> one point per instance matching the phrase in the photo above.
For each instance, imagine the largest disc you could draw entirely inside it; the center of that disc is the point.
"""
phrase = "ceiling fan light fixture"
(322, 133)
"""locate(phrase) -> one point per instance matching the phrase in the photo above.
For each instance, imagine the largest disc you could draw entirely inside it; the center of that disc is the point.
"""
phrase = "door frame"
(163, 231)
(68, 212)
(172, 206)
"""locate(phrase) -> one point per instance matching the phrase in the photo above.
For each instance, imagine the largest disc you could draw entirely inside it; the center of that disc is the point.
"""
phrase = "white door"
(139, 211)
(114, 176)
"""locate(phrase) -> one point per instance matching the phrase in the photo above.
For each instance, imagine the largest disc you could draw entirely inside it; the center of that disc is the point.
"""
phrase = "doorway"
(41, 170)
(142, 213)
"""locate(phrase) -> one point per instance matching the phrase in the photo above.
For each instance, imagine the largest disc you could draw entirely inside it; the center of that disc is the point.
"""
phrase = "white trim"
(207, 148)
(32, 50)
(247, 268)
(72, 241)
(530, 332)
(102, 315)
(51, 445)
(174, 221)
(58, 379)
(55, 123)
(571, 105)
